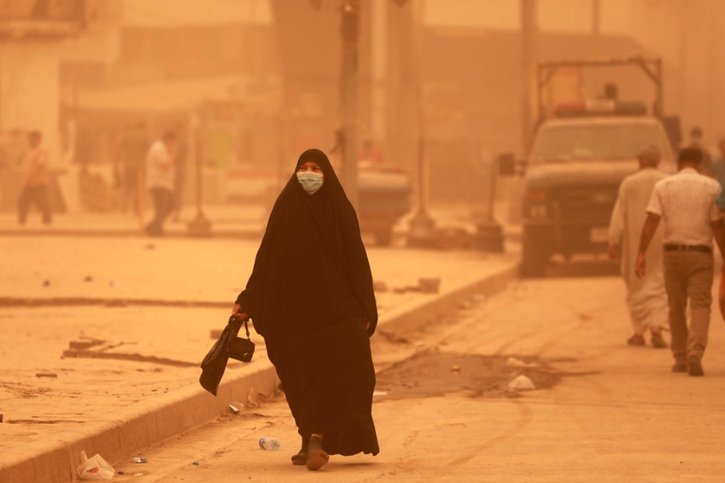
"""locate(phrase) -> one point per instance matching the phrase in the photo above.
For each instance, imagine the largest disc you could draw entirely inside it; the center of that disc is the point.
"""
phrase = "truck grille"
(592, 204)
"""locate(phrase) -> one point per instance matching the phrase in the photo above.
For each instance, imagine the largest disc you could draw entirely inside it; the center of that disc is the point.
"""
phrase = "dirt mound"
(433, 373)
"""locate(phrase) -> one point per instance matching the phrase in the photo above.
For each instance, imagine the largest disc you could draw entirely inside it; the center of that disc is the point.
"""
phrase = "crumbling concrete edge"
(149, 423)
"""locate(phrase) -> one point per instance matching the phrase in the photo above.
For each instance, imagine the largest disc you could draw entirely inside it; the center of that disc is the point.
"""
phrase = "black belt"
(687, 248)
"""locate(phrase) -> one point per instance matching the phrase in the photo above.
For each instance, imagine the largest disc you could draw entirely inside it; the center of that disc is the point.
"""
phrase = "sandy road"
(618, 414)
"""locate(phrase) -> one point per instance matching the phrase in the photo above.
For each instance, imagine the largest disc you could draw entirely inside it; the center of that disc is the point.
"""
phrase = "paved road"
(617, 413)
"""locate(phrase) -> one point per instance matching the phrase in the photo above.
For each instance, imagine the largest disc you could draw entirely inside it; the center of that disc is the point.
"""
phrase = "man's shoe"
(636, 340)
(694, 368)
(658, 342)
(679, 367)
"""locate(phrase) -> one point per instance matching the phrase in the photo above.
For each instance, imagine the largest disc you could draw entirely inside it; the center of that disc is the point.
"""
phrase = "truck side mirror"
(506, 164)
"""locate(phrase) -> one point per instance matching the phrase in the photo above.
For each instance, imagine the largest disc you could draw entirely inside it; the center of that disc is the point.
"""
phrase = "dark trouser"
(129, 191)
(37, 195)
(163, 200)
(689, 274)
(178, 192)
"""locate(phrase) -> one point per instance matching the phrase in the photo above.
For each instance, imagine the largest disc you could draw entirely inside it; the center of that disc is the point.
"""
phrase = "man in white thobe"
(646, 297)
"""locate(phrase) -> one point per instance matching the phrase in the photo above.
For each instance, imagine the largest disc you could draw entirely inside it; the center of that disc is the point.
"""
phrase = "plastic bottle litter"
(521, 383)
(269, 443)
(95, 468)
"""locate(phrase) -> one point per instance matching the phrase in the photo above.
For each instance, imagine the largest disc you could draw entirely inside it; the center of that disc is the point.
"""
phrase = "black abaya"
(310, 295)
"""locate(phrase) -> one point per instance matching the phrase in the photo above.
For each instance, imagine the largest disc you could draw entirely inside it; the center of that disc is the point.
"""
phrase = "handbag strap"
(234, 319)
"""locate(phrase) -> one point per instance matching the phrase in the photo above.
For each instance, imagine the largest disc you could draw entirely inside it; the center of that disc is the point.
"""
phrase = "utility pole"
(596, 17)
(528, 34)
(422, 231)
(350, 33)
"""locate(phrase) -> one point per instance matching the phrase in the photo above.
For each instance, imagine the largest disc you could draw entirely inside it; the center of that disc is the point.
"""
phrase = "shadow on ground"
(587, 267)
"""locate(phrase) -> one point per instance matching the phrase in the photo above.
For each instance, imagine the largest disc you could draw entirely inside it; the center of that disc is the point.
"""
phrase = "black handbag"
(242, 349)
(228, 345)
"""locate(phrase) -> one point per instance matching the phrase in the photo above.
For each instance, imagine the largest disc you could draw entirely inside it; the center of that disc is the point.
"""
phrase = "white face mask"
(311, 182)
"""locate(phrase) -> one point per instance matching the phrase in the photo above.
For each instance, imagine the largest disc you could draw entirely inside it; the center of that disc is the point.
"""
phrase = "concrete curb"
(149, 423)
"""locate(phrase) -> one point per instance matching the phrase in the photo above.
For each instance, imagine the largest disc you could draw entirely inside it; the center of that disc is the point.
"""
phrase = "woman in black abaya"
(311, 297)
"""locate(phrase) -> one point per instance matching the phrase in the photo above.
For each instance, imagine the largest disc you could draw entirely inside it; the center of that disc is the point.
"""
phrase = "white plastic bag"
(521, 383)
(95, 468)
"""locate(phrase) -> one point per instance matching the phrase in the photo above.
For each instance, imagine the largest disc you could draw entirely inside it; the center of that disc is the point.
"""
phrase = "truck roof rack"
(651, 67)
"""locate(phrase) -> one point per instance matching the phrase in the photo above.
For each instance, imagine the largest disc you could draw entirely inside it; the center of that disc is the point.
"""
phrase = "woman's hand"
(237, 310)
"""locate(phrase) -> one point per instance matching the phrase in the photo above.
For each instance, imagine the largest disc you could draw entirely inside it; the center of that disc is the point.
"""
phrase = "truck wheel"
(534, 259)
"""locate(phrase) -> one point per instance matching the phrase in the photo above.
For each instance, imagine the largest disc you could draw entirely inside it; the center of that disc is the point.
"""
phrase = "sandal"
(316, 456)
(300, 458)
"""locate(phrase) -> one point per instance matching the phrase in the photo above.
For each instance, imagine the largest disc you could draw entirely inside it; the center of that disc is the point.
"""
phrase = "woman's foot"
(300, 458)
(316, 456)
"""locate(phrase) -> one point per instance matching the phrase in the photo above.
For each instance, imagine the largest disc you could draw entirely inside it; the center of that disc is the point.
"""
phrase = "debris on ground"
(139, 459)
(46, 374)
(2, 418)
(518, 363)
(84, 343)
(95, 468)
(429, 373)
(429, 285)
(521, 383)
(87, 278)
(380, 287)
(234, 407)
(455, 368)
(251, 399)
(380, 393)
(195, 463)
(269, 443)
(46, 283)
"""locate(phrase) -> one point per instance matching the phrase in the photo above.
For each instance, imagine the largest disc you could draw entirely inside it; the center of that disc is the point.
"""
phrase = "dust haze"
(144, 143)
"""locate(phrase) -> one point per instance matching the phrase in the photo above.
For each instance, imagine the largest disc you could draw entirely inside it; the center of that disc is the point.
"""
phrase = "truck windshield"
(596, 142)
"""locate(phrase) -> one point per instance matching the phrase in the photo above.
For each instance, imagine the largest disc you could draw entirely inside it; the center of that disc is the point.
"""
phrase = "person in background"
(718, 172)
(36, 182)
(646, 297)
(370, 155)
(696, 142)
(160, 175)
(129, 163)
(685, 202)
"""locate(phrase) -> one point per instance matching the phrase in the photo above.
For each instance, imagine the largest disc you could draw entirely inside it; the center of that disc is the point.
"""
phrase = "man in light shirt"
(686, 203)
(160, 175)
(646, 296)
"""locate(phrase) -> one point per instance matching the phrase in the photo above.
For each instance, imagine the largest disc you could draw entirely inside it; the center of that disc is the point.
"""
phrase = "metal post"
(489, 234)
(422, 226)
(350, 33)
(528, 31)
(596, 18)
(422, 230)
(200, 226)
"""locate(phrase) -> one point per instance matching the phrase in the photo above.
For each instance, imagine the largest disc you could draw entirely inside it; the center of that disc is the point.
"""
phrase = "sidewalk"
(228, 221)
(95, 393)
(242, 221)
